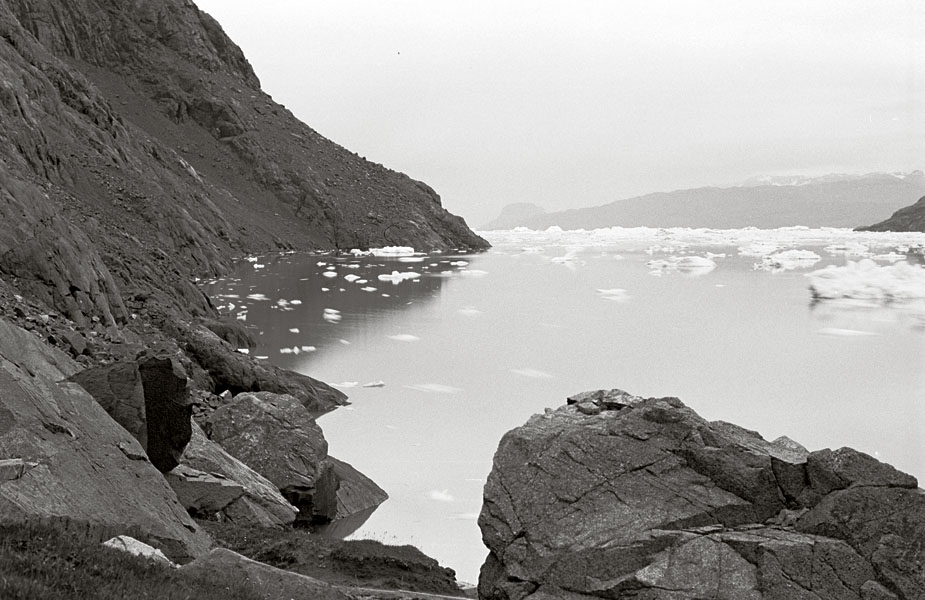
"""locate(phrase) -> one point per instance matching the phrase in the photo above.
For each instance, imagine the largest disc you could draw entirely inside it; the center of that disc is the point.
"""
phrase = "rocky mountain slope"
(827, 201)
(138, 153)
(909, 218)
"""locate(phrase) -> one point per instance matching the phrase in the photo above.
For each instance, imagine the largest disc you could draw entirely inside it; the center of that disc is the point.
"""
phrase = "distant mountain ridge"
(836, 200)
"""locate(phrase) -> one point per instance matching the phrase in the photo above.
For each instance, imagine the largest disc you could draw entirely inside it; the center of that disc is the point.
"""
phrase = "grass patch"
(40, 563)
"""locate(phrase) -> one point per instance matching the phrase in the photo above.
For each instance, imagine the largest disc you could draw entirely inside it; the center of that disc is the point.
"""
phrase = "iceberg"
(392, 251)
(866, 280)
(395, 277)
(788, 260)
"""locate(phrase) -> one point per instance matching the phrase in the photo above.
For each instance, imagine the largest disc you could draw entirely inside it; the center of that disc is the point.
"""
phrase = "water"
(478, 343)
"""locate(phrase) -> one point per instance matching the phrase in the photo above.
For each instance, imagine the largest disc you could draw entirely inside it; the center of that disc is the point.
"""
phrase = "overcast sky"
(579, 103)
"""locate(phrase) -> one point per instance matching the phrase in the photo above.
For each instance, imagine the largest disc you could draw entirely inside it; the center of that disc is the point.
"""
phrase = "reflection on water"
(466, 352)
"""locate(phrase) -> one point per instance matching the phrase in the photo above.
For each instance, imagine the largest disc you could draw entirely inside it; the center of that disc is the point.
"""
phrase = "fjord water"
(477, 343)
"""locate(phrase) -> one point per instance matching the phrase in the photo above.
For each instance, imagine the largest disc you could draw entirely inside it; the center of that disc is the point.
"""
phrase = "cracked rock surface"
(616, 496)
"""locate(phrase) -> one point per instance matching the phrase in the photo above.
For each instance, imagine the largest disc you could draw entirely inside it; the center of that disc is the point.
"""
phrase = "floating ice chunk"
(392, 251)
(758, 249)
(325, 289)
(368, 289)
(694, 262)
(308, 348)
(352, 266)
(285, 350)
(346, 384)
(412, 259)
(344, 342)
(231, 305)
(534, 373)
(459, 263)
(837, 331)
(361, 281)
(374, 384)
(358, 252)
(331, 267)
(441, 496)
(321, 263)
(282, 302)
(262, 357)
(295, 302)
(553, 229)
(397, 277)
(230, 296)
(259, 266)
(848, 249)
(788, 260)
(351, 277)
(689, 265)
(386, 295)
(251, 259)
(615, 294)
(436, 388)
(469, 311)
(330, 274)
(242, 316)
(867, 280)
(244, 350)
(404, 337)
(473, 273)
(293, 330)
(258, 297)
(888, 257)
(331, 315)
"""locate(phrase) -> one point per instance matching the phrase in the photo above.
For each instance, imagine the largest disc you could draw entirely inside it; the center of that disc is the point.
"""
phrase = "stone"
(132, 546)
(266, 582)
(202, 494)
(276, 436)
(75, 474)
(356, 492)
(76, 342)
(235, 372)
(150, 399)
(645, 499)
(260, 504)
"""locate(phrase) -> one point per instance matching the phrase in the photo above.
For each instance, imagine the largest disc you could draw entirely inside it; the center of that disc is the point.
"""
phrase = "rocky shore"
(139, 154)
(617, 496)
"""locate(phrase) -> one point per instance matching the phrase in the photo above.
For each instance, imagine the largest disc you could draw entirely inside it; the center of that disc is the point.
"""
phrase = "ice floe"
(866, 280)
(397, 277)
(435, 388)
(374, 384)
(615, 295)
(368, 288)
(258, 297)
(441, 496)
(841, 332)
(534, 373)
(293, 330)
(788, 260)
(351, 277)
(295, 302)
(689, 265)
(346, 384)
(392, 251)
(331, 315)
(404, 337)
(330, 273)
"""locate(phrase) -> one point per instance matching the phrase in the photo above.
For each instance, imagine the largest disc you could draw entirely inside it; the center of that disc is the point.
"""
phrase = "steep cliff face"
(910, 218)
(137, 149)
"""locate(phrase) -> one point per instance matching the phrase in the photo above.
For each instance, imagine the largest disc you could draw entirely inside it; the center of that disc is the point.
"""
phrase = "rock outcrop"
(277, 436)
(150, 399)
(614, 496)
(260, 504)
(67, 463)
(910, 218)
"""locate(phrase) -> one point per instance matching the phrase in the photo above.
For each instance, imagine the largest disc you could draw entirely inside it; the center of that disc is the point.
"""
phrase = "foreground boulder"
(614, 496)
(150, 399)
(259, 504)
(66, 463)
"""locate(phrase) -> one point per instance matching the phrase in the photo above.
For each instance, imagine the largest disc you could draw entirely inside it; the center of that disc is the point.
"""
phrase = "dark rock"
(909, 218)
(76, 342)
(69, 463)
(355, 491)
(168, 410)
(232, 371)
(645, 499)
(150, 399)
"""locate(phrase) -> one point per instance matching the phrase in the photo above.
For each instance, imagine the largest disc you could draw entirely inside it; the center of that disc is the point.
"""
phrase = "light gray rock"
(202, 493)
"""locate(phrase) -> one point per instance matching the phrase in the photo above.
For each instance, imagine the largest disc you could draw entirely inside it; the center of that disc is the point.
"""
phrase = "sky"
(578, 103)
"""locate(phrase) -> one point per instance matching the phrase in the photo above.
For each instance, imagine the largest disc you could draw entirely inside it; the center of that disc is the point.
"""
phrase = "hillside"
(832, 200)
(137, 155)
(909, 218)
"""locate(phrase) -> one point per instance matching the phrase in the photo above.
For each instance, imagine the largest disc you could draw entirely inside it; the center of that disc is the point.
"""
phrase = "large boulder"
(66, 462)
(260, 504)
(277, 437)
(150, 398)
(615, 496)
